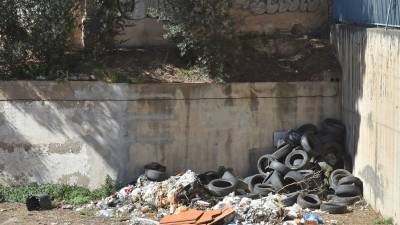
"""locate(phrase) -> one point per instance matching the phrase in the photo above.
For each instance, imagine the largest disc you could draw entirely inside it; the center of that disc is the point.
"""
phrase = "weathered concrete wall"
(260, 16)
(78, 132)
(370, 59)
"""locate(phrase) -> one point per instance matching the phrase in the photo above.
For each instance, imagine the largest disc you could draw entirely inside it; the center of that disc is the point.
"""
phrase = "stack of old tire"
(346, 189)
(297, 168)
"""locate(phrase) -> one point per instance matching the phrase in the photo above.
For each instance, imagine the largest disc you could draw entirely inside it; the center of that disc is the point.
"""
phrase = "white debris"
(147, 202)
(263, 211)
(142, 221)
(105, 213)
(293, 211)
(161, 194)
(146, 199)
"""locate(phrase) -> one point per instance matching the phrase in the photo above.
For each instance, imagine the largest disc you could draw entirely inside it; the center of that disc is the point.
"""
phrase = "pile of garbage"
(304, 172)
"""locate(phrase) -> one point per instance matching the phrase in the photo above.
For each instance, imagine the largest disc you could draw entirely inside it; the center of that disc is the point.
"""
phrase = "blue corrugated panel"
(368, 12)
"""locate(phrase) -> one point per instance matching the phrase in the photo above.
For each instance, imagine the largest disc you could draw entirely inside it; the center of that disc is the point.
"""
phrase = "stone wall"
(79, 132)
(259, 16)
(370, 60)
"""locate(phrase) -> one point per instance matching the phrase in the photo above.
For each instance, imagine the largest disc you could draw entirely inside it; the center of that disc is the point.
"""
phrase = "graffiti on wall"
(257, 7)
(279, 6)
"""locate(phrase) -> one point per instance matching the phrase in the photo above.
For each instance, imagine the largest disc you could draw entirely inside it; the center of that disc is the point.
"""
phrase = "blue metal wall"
(368, 12)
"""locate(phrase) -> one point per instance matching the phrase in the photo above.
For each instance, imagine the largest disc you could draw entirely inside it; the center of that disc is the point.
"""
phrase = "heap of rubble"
(304, 172)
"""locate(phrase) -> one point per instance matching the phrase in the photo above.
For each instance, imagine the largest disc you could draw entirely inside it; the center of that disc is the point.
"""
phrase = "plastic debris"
(312, 219)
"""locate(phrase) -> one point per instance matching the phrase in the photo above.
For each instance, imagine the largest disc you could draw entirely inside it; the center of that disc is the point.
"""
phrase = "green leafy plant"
(204, 32)
(35, 36)
(74, 195)
(381, 220)
(106, 19)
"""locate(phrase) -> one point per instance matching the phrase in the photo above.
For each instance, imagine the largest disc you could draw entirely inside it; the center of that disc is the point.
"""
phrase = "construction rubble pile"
(305, 173)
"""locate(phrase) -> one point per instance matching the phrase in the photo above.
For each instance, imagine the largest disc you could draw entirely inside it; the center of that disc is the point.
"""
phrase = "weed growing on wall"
(204, 32)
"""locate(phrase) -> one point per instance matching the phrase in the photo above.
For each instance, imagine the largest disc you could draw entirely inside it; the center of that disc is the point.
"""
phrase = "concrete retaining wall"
(370, 59)
(79, 132)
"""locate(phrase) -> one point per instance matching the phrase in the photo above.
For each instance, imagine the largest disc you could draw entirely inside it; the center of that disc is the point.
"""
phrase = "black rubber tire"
(351, 180)
(279, 167)
(293, 177)
(330, 197)
(290, 199)
(311, 144)
(332, 159)
(297, 154)
(334, 179)
(346, 200)
(307, 128)
(325, 137)
(293, 138)
(264, 162)
(38, 202)
(333, 208)
(347, 190)
(347, 162)
(282, 152)
(263, 189)
(247, 179)
(207, 177)
(231, 177)
(280, 143)
(221, 187)
(306, 173)
(256, 179)
(308, 201)
(292, 182)
(155, 166)
(155, 175)
(332, 147)
(274, 180)
(334, 126)
(297, 162)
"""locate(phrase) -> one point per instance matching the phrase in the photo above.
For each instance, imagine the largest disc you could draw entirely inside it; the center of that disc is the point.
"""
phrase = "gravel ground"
(14, 213)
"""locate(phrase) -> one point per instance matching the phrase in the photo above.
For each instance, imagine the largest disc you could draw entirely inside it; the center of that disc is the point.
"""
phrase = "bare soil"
(16, 213)
(360, 214)
(261, 60)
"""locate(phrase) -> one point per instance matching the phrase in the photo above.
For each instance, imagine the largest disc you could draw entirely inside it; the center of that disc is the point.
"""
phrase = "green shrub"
(74, 195)
(106, 19)
(381, 220)
(203, 31)
(35, 36)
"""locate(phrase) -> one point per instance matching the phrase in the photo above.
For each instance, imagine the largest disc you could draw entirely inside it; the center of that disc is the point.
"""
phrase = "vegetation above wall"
(204, 32)
(36, 36)
(36, 44)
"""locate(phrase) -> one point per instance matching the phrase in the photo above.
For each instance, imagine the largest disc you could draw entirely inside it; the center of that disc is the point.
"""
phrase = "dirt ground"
(14, 213)
(360, 213)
